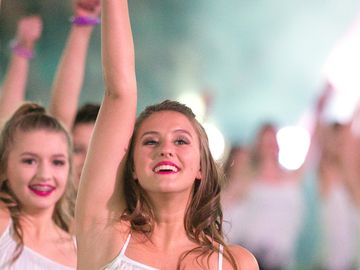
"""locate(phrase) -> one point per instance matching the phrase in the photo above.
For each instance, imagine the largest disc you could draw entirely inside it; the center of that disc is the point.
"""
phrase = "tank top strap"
(8, 230)
(74, 242)
(221, 249)
(122, 252)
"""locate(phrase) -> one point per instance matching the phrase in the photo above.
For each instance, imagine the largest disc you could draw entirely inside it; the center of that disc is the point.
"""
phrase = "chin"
(48, 203)
(36, 208)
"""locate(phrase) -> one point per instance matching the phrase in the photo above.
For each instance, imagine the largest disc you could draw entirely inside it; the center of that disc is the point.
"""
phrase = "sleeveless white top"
(29, 259)
(268, 221)
(122, 262)
(340, 229)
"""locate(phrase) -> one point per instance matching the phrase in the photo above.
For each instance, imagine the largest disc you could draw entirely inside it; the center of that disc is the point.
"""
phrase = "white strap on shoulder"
(221, 249)
(122, 252)
(8, 230)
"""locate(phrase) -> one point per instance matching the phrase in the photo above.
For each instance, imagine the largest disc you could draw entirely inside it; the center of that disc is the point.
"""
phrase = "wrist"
(85, 20)
(21, 49)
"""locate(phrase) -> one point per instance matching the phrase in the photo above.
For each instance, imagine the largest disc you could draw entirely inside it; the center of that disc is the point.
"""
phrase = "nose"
(166, 154)
(166, 149)
(44, 172)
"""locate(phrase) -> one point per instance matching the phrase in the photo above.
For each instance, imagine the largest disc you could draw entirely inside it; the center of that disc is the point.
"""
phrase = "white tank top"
(29, 259)
(268, 221)
(340, 228)
(122, 262)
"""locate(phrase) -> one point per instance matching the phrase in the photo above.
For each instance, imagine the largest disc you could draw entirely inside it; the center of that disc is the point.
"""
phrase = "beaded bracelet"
(83, 20)
(19, 50)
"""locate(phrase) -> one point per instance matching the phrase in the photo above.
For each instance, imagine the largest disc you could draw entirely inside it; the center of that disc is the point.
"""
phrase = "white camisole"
(122, 262)
(29, 259)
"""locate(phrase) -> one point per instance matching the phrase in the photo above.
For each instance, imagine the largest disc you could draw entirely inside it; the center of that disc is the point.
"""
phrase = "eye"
(59, 162)
(181, 141)
(28, 161)
(150, 142)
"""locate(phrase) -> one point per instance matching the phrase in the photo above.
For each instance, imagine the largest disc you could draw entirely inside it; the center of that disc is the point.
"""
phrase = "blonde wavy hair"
(30, 117)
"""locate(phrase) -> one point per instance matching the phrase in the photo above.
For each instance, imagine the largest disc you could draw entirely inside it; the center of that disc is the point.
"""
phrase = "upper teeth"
(166, 168)
(42, 188)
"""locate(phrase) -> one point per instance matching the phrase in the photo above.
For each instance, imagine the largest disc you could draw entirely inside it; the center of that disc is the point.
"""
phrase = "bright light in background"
(216, 140)
(195, 102)
(342, 106)
(294, 144)
(342, 71)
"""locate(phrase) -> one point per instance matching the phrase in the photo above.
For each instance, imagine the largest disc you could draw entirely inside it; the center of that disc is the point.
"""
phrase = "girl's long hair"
(30, 117)
(203, 218)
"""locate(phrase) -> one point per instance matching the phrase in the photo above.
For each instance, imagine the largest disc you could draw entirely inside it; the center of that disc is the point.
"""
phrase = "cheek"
(17, 182)
(18, 176)
(193, 159)
(140, 156)
(63, 174)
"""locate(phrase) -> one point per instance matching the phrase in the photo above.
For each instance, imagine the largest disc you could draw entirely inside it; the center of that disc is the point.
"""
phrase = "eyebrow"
(34, 154)
(174, 131)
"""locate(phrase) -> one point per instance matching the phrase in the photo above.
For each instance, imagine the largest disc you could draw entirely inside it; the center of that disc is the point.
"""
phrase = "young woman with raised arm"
(149, 194)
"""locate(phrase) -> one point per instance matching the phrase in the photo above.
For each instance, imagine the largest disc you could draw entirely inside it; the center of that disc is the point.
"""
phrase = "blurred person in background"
(35, 192)
(236, 170)
(272, 211)
(268, 218)
(339, 193)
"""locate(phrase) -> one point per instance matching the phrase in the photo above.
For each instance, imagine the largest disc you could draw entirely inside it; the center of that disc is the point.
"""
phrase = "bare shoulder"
(244, 258)
(4, 217)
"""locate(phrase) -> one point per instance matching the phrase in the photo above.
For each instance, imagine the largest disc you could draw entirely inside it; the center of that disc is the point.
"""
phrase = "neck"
(37, 223)
(169, 220)
(270, 170)
(169, 208)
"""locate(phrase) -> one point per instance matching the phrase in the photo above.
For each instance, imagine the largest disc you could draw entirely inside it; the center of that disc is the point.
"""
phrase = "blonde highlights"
(203, 217)
(31, 117)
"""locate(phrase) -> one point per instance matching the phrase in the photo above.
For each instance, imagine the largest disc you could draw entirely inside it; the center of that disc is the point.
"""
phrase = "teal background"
(259, 60)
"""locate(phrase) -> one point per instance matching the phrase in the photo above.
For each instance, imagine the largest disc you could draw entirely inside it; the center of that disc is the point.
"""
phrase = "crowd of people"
(307, 218)
(96, 187)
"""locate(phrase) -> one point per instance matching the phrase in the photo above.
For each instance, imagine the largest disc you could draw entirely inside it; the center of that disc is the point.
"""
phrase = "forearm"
(69, 77)
(117, 49)
(28, 31)
(14, 85)
(100, 179)
(350, 165)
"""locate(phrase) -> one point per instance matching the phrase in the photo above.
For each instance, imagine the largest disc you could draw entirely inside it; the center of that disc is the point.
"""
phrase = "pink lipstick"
(166, 167)
(42, 190)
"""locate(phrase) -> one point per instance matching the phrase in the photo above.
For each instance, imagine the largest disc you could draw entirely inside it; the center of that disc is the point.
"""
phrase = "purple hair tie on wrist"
(19, 50)
(83, 20)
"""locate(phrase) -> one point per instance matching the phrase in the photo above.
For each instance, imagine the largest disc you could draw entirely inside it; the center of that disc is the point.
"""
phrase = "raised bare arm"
(13, 89)
(70, 73)
(100, 198)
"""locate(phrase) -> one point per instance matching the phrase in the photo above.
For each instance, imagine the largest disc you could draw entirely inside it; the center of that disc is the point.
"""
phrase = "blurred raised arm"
(13, 89)
(351, 157)
(316, 128)
(70, 73)
(100, 198)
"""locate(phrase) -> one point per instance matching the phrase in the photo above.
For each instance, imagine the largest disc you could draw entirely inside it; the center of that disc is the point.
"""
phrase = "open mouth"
(42, 190)
(166, 168)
